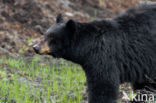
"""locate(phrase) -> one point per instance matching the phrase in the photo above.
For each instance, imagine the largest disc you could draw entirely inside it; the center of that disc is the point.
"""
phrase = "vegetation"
(23, 81)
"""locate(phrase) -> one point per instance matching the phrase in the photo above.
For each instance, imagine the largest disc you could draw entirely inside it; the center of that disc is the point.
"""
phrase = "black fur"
(111, 51)
(59, 18)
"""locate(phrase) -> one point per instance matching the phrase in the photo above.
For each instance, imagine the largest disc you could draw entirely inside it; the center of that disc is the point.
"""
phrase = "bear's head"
(61, 40)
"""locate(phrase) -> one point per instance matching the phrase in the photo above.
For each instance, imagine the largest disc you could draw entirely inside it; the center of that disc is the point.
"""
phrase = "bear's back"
(142, 18)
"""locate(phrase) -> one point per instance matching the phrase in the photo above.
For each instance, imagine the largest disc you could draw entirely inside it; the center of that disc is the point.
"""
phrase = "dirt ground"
(23, 20)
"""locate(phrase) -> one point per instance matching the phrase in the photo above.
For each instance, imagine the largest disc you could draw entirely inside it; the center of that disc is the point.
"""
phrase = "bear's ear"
(59, 18)
(71, 25)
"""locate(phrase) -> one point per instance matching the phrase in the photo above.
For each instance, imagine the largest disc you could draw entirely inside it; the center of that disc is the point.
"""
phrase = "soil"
(24, 20)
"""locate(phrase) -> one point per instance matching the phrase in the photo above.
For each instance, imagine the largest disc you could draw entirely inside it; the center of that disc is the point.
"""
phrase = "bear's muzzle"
(42, 47)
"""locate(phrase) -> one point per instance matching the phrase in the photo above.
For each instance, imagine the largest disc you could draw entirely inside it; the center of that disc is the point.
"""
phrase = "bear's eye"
(53, 41)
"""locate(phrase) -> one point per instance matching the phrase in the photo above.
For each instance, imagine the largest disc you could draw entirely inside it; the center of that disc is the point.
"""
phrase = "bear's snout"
(42, 47)
(36, 48)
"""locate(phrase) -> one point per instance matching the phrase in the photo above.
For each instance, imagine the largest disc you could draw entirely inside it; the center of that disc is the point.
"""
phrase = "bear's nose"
(36, 48)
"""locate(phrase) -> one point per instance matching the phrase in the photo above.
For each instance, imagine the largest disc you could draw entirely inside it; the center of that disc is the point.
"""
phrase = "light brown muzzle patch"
(42, 47)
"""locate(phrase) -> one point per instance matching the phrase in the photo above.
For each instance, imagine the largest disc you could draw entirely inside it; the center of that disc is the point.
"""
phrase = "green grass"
(39, 80)
(23, 81)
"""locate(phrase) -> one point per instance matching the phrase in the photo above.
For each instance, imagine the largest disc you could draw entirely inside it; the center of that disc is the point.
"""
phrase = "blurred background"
(29, 78)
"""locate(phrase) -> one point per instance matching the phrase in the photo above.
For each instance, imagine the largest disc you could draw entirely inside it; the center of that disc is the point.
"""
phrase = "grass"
(23, 81)
(41, 80)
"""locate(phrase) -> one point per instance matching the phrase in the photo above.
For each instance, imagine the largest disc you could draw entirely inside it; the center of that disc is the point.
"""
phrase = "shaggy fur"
(111, 51)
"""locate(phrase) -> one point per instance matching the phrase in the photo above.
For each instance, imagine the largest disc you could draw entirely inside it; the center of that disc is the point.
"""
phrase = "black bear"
(111, 51)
